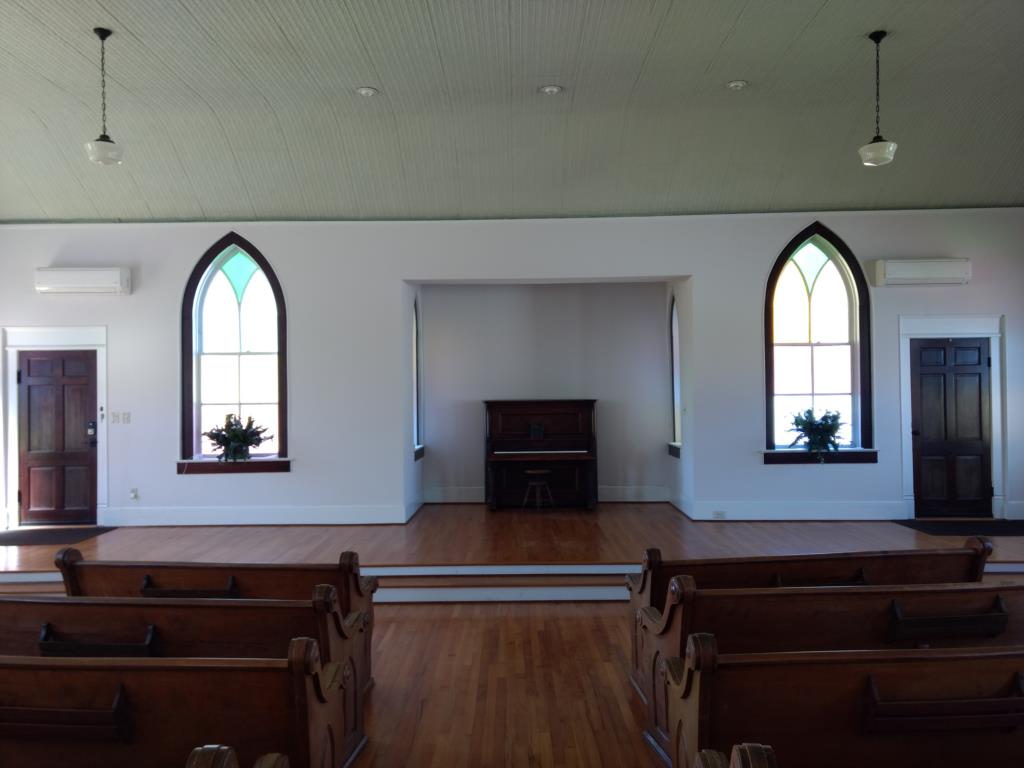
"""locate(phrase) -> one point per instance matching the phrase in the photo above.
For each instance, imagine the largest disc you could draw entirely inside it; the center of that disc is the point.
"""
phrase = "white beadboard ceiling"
(245, 109)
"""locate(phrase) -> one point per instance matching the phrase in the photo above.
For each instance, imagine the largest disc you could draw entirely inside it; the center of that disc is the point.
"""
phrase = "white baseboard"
(1013, 510)
(797, 510)
(348, 514)
(474, 494)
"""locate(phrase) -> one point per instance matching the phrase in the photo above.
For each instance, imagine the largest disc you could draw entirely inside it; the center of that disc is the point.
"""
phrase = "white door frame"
(955, 327)
(15, 340)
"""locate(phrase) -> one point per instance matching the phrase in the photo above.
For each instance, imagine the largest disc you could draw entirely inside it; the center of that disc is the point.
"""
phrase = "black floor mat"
(53, 536)
(967, 527)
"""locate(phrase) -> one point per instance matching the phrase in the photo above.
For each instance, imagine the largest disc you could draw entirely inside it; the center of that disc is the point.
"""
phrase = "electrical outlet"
(126, 417)
(718, 514)
(115, 417)
(133, 494)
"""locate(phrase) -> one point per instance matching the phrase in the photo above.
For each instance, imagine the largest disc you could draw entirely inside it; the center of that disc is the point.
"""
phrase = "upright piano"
(558, 436)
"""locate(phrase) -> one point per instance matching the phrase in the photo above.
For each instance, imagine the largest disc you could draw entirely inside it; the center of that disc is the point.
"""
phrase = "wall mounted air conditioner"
(83, 280)
(922, 271)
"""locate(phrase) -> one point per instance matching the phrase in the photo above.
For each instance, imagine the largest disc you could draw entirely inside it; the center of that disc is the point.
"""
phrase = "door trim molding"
(20, 338)
(955, 327)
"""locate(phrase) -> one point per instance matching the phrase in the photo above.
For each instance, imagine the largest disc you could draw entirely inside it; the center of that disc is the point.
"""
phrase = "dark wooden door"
(57, 437)
(952, 431)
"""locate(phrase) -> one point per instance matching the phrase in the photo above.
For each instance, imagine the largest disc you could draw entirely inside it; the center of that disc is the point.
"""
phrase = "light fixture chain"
(103, 84)
(878, 87)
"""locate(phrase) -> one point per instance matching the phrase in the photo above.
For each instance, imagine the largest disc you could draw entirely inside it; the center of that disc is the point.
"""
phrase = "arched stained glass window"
(233, 323)
(817, 338)
(417, 426)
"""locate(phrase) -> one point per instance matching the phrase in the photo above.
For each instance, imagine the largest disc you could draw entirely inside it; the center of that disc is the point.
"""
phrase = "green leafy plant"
(235, 439)
(819, 435)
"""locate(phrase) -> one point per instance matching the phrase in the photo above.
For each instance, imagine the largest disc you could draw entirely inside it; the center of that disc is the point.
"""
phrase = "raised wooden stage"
(465, 553)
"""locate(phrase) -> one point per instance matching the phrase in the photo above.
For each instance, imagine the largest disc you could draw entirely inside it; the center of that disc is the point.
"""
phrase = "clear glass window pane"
(262, 416)
(810, 259)
(415, 375)
(832, 370)
(259, 316)
(793, 370)
(830, 307)
(211, 416)
(786, 407)
(841, 404)
(790, 308)
(218, 317)
(218, 377)
(258, 379)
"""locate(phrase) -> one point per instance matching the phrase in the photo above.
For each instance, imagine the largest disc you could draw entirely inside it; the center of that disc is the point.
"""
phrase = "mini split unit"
(922, 271)
(83, 280)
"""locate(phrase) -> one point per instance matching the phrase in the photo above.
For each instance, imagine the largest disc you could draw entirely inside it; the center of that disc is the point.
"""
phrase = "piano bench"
(539, 487)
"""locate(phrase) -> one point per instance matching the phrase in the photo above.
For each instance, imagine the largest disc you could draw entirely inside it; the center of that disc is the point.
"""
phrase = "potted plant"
(235, 439)
(819, 435)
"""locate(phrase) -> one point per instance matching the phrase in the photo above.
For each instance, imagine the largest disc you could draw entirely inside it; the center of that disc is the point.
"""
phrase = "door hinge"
(19, 497)
(19, 377)
(990, 362)
(992, 491)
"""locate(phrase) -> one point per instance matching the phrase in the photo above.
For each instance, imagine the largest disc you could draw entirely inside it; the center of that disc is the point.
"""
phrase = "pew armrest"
(63, 724)
(50, 646)
(949, 715)
(926, 628)
(149, 590)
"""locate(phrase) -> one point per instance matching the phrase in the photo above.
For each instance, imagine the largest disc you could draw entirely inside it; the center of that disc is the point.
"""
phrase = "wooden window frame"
(188, 463)
(418, 449)
(864, 453)
(673, 350)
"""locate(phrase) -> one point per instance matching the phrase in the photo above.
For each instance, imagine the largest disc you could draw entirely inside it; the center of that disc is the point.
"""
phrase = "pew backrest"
(124, 713)
(886, 709)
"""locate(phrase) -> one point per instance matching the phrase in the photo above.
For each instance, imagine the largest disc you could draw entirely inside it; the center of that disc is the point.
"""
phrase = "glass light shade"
(103, 151)
(878, 152)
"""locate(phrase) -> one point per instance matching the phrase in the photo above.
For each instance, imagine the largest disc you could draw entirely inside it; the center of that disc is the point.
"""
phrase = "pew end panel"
(219, 756)
(743, 756)
(654, 630)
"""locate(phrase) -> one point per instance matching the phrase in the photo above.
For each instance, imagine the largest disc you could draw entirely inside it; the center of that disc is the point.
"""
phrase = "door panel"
(950, 380)
(57, 437)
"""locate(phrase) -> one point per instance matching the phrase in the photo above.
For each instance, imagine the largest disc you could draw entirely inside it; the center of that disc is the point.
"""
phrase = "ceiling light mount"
(737, 85)
(551, 89)
(367, 90)
(878, 151)
(102, 150)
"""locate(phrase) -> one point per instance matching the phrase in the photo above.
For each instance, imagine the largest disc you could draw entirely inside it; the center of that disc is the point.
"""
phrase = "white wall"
(345, 284)
(603, 341)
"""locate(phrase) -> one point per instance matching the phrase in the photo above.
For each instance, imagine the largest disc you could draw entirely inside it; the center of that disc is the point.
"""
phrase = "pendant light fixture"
(103, 150)
(878, 151)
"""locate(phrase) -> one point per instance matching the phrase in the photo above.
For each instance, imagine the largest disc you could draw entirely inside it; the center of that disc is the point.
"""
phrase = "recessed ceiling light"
(737, 85)
(550, 90)
(366, 90)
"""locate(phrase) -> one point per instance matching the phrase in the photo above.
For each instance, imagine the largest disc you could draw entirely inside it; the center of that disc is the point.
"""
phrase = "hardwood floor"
(470, 686)
(470, 534)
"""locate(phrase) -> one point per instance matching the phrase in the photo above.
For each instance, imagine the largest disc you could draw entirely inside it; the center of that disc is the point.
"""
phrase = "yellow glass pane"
(218, 379)
(793, 371)
(832, 370)
(218, 317)
(258, 378)
(259, 316)
(790, 308)
(830, 307)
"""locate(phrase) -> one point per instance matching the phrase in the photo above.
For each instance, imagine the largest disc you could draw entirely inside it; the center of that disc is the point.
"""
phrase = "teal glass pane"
(810, 259)
(239, 269)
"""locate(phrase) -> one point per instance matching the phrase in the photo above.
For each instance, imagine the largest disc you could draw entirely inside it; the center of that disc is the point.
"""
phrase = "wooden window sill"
(843, 456)
(418, 451)
(214, 467)
(675, 449)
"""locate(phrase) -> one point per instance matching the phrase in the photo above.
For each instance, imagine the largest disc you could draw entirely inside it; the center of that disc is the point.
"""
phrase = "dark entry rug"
(55, 536)
(966, 527)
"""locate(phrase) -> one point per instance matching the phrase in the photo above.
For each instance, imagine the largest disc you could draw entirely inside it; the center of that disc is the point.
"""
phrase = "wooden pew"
(126, 713)
(178, 627)
(219, 756)
(106, 578)
(743, 756)
(918, 708)
(822, 618)
(649, 588)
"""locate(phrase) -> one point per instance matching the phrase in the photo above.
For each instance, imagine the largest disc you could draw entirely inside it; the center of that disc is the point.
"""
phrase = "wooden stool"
(538, 485)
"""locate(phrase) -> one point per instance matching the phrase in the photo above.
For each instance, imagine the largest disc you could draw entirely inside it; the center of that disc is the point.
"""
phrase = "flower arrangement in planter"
(818, 435)
(234, 439)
